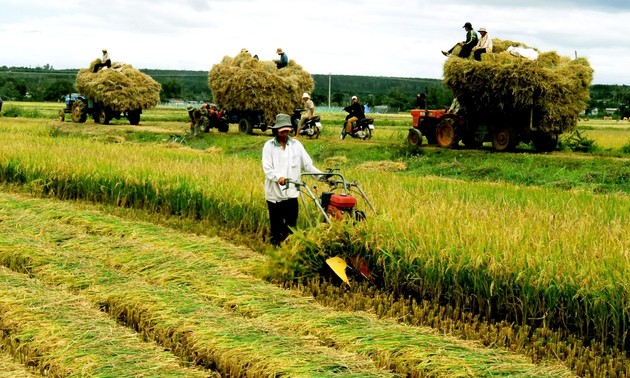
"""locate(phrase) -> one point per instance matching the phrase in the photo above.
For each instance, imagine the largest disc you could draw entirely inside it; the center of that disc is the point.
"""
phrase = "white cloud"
(362, 37)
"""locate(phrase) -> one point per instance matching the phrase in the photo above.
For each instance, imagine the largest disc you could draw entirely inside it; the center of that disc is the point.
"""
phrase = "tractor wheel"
(545, 142)
(245, 126)
(414, 138)
(134, 117)
(224, 127)
(471, 142)
(79, 114)
(61, 115)
(503, 139)
(101, 116)
(445, 133)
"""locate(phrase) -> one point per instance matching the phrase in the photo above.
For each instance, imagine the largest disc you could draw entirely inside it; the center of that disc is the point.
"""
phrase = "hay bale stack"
(121, 87)
(246, 83)
(503, 87)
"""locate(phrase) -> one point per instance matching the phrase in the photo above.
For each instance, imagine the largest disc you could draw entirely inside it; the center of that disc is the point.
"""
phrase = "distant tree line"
(48, 84)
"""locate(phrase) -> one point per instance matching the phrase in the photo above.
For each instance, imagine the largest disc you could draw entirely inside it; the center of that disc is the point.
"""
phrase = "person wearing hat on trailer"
(105, 61)
(283, 158)
(308, 109)
(483, 46)
(467, 45)
(283, 61)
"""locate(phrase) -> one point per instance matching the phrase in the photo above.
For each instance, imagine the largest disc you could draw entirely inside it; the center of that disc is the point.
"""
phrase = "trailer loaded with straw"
(509, 97)
(253, 91)
(112, 93)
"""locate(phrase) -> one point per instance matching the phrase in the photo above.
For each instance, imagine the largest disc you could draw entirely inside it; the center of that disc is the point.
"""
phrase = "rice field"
(545, 267)
(85, 293)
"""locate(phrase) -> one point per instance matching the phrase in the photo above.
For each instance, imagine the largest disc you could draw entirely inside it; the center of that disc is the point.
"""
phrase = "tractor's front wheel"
(61, 115)
(414, 138)
(79, 113)
(446, 136)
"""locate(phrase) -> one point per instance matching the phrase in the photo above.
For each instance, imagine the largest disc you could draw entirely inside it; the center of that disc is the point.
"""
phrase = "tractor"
(80, 107)
(447, 128)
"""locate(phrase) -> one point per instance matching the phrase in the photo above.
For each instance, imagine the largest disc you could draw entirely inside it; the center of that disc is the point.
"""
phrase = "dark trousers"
(465, 51)
(282, 215)
(478, 53)
(107, 63)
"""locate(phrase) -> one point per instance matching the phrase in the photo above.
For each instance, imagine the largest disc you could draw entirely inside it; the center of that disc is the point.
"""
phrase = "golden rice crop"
(194, 296)
(534, 256)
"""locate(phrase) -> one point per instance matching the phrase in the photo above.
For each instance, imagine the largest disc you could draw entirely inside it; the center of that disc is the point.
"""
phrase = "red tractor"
(447, 128)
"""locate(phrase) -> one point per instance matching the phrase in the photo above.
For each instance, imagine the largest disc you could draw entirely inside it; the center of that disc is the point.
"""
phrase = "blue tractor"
(80, 107)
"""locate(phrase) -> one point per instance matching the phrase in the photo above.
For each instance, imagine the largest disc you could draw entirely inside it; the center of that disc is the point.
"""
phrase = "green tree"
(55, 90)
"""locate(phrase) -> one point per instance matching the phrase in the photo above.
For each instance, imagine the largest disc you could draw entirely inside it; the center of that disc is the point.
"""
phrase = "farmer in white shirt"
(484, 45)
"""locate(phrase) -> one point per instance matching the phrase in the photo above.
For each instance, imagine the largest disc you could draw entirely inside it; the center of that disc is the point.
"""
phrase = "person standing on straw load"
(308, 110)
(483, 46)
(283, 158)
(467, 45)
(283, 61)
(105, 61)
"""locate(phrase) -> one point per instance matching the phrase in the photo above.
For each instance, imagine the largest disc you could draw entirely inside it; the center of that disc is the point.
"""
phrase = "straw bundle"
(505, 87)
(121, 87)
(245, 83)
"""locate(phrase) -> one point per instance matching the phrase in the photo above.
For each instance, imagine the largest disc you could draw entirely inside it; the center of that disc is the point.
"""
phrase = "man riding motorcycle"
(355, 113)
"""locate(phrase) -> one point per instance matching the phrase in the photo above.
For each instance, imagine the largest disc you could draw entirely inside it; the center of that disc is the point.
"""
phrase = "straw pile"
(504, 87)
(121, 87)
(246, 83)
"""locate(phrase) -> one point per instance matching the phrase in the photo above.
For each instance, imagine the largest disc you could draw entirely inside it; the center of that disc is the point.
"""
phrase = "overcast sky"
(400, 38)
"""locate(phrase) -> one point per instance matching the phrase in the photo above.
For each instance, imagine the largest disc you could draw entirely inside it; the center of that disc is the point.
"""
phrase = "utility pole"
(329, 90)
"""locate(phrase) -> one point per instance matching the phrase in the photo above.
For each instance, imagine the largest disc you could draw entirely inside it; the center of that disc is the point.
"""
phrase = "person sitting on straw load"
(105, 61)
(308, 110)
(283, 61)
(467, 45)
(483, 46)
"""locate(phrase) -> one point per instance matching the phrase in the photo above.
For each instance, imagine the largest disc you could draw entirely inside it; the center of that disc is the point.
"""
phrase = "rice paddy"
(538, 273)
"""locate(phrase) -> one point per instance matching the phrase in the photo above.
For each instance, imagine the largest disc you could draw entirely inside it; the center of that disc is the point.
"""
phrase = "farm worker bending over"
(283, 158)
(283, 61)
(105, 61)
(467, 45)
(483, 46)
(356, 113)
(308, 112)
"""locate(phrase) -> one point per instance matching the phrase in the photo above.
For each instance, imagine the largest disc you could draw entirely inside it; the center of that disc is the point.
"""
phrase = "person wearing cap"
(283, 61)
(483, 46)
(355, 113)
(467, 45)
(283, 158)
(308, 109)
(105, 61)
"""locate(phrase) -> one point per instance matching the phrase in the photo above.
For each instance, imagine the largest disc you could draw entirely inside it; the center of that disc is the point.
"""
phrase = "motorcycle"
(311, 128)
(361, 129)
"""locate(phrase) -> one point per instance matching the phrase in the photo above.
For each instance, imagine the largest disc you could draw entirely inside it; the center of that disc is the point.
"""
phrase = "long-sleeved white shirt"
(485, 42)
(287, 162)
